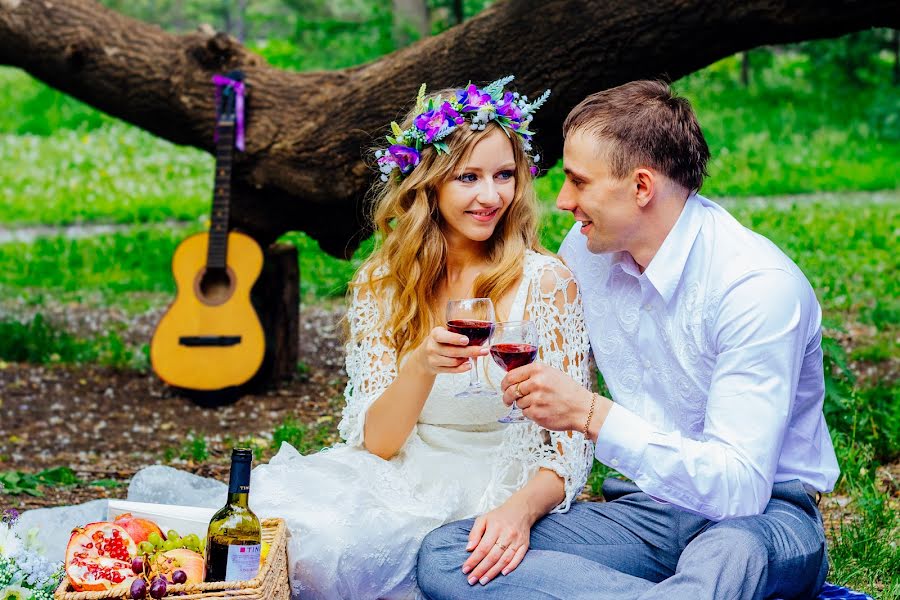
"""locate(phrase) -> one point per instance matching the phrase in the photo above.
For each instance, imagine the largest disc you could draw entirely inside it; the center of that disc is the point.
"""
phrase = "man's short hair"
(647, 125)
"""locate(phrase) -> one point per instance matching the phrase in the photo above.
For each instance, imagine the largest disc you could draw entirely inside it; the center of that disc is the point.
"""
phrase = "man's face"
(604, 204)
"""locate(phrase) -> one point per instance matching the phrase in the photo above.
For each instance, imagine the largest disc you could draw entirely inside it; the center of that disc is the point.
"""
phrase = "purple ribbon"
(238, 86)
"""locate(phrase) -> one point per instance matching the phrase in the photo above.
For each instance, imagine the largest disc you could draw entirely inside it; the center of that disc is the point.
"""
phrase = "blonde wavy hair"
(409, 261)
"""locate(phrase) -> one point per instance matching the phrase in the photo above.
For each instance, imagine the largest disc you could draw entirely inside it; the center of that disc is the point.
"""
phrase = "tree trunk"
(745, 68)
(276, 296)
(896, 45)
(308, 133)
(240, 25)
(459, 13)
(410, 16)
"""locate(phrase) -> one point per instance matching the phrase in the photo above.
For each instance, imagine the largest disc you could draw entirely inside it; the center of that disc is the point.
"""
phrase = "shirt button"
(646, 364)
(648, 307)
(614, 462)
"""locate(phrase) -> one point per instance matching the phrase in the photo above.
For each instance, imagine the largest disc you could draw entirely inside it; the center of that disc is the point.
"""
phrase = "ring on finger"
(519, 393)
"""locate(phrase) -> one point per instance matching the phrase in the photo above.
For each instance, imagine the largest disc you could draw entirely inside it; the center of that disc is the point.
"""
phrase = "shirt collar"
(624, 261)
(667, 266)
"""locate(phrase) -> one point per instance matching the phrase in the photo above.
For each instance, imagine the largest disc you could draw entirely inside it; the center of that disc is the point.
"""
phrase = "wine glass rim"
(508, 323)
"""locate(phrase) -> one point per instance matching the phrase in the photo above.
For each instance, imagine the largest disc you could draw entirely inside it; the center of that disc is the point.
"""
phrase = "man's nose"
(564, 199)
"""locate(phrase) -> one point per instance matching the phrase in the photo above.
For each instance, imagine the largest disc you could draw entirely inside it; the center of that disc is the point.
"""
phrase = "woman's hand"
(446, 352)
(498, 542)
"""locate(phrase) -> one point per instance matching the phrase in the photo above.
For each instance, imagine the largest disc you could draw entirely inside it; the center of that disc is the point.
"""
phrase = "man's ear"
(643, 187)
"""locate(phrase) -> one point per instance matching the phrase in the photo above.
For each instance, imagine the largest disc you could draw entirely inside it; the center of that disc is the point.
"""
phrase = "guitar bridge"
(209, 340)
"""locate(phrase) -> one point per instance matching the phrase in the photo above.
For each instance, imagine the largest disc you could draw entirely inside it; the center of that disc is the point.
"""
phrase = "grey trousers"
(632, 546)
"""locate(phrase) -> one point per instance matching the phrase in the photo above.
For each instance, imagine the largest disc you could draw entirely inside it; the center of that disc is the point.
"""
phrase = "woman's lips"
(483, 216)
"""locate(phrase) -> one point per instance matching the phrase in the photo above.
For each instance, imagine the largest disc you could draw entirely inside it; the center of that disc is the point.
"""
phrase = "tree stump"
(276, 297)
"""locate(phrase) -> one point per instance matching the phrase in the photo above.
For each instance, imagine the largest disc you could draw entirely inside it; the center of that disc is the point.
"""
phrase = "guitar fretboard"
(218, 229)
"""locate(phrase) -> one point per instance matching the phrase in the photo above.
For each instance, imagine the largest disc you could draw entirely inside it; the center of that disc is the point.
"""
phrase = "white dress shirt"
(713, 359)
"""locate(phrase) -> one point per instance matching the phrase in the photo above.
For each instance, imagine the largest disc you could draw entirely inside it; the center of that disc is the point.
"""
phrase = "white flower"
(39, 572)
(14, 592)
(10, 544)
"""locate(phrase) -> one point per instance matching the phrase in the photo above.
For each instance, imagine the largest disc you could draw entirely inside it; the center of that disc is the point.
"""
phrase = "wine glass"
(473, 318)
(514, 344)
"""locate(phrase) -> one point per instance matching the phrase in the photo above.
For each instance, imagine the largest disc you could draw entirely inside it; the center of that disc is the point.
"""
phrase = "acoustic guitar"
(211, 338)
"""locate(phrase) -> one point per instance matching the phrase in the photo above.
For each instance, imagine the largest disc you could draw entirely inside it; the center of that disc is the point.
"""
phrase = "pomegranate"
(138, 529)
(98, 557)
(181, 559)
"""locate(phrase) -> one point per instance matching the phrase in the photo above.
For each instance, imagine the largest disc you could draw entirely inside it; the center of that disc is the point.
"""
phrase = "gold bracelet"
(590, 414)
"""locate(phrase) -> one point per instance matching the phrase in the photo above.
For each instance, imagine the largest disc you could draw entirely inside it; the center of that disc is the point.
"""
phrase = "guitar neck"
(218, 229)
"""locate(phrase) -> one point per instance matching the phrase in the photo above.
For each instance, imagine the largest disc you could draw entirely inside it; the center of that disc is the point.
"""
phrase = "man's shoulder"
(733, 251)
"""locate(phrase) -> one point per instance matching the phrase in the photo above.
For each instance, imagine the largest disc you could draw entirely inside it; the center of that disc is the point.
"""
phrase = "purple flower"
(405, 157)
(451, 113)
(534, 170)
(472, 98)
(432, 122)
(508, 108)
(10, 515)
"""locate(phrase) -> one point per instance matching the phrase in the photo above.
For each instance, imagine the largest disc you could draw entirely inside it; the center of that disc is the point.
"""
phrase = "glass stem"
(473, 372)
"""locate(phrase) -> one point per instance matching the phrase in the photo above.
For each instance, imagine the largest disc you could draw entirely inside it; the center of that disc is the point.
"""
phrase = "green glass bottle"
(234, 538)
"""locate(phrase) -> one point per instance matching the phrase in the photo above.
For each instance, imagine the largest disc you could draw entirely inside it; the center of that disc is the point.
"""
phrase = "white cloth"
(713, 359)
(356, 520)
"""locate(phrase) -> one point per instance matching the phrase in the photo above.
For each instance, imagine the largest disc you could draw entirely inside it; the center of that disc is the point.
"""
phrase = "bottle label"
(243, 562)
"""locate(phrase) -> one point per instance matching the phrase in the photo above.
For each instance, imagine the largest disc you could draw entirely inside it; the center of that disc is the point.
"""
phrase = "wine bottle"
(234, 538)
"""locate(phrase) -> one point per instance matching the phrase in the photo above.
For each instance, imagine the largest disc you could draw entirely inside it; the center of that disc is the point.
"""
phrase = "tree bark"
(308, 133)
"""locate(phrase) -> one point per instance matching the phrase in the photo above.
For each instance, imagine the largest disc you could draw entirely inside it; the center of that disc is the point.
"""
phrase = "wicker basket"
(270, 584)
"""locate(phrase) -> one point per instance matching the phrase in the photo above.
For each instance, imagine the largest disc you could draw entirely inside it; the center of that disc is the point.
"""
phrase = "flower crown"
(438, 117)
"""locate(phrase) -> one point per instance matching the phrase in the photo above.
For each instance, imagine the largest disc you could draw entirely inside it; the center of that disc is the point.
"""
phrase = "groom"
(709, 340)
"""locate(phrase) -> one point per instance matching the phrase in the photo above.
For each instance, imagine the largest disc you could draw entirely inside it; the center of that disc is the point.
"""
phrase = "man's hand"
(552, 399)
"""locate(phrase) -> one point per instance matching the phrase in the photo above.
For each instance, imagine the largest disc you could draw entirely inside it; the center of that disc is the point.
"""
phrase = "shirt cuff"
(622, 440)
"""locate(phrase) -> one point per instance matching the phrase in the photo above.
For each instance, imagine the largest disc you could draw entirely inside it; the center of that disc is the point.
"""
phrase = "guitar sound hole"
(215, 286)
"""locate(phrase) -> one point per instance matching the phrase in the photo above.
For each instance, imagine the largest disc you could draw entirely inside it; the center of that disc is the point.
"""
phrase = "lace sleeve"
(554, 305)
(371, 364)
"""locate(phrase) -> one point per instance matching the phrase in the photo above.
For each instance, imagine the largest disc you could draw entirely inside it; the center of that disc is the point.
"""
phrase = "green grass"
(38, 341)
(781, 136)
(117, 173)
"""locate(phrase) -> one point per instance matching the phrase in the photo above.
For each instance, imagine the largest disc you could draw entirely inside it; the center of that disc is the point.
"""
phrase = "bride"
(456, 217)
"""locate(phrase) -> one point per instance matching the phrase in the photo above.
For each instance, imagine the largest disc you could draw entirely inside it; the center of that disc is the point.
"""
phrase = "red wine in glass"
(513, 356)
(478, 332)
(513, 345)
(473, 318)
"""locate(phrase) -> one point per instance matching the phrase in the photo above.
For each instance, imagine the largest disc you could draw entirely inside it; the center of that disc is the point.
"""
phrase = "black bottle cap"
(241, 455)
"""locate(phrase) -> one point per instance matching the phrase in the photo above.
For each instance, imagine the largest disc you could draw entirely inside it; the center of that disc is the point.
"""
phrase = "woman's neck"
(465, 259)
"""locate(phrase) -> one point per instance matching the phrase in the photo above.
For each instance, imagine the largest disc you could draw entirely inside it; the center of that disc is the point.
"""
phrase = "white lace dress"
(356, 520)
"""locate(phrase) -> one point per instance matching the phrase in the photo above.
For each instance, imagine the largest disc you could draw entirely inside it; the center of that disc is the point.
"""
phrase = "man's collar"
(667, 266)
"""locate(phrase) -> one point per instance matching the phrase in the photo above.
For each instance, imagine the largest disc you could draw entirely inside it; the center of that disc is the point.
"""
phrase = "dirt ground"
(107, 424)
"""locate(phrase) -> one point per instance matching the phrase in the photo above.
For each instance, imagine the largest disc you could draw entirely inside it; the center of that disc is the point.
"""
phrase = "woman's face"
(472, 201)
